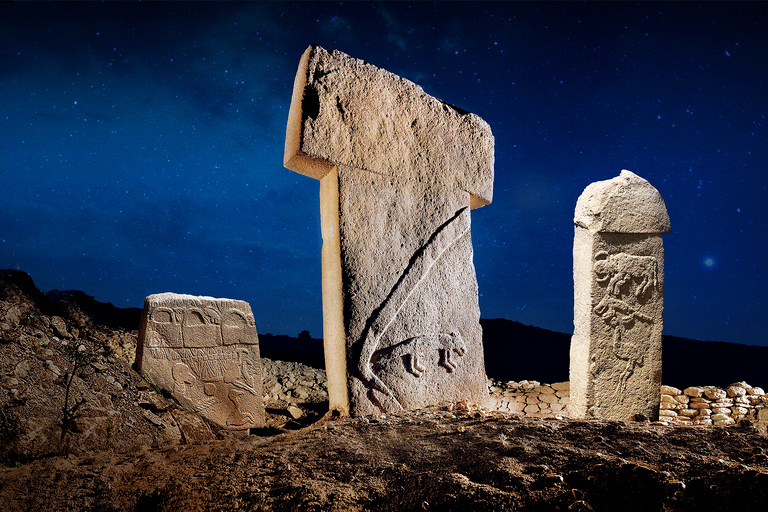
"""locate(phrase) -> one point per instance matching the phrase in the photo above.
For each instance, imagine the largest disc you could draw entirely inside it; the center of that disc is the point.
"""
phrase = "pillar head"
(624, 204)
(345, 111)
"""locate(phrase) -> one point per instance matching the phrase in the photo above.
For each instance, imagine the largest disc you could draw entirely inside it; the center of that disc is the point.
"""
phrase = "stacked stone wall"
(530, 398)
(709, 405)
(706, 405)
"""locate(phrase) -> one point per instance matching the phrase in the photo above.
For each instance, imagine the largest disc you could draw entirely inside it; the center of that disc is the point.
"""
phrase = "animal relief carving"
(618, 270)
(204, 351)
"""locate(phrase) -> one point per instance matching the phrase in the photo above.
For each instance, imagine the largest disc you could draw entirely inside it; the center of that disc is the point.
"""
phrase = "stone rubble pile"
(530, 398)
(291, 386)
(709, 405)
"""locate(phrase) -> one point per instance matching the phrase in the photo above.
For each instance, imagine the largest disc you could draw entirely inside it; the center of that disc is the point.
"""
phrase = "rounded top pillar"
(624, 204)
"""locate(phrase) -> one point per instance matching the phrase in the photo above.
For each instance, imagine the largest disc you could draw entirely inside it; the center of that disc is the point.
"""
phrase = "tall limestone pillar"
(618, 274)
(399, 171)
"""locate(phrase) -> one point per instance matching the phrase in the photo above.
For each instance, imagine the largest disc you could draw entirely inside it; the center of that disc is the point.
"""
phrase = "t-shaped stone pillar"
(399, 171)
(618, 274)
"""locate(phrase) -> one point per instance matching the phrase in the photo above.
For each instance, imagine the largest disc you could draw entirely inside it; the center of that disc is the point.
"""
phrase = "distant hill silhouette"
(513, 351)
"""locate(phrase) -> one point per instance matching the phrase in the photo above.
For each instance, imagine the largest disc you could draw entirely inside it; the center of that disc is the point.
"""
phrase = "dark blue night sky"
(142, 145)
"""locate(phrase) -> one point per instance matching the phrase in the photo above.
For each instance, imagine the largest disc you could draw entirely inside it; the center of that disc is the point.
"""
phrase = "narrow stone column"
(618, 274)
(399, 171)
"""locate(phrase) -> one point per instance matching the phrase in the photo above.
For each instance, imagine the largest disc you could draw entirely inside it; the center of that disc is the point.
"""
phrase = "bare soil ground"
(136, 450)
(426, 460)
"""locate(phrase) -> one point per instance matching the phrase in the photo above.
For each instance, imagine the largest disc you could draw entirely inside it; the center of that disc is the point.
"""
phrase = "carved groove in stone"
(418, 269)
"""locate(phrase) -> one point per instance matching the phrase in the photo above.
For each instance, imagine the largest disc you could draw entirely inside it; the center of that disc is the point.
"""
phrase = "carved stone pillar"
(618, 274)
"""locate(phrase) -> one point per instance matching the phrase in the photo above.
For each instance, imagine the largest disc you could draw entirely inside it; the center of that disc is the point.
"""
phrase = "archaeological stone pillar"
(399, 171)
(205, 352)
(618, 274)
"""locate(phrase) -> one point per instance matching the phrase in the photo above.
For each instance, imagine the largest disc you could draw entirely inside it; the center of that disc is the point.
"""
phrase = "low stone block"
(561, 386)
(669, 390)
(739, 411)
(736, 391)
(756, 391)
(694, 392)
(667, 413)
(688, 412)
(715, 393)
(550, 399)
(205, 352)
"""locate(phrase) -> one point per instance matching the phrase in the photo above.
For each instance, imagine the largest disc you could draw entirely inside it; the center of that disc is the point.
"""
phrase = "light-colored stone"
(347, 112)
(756, 391)
(545, 390)
(667, 413)
(205, 352)
(547, 398)
(715, 393)
(694, 392)
(618, 268)
(399, 172)
(561, 386)
(688, 412)
(721, 410)
(531, 409)
(739, 411)
(669, 390)
(59, 326)
(734, 391)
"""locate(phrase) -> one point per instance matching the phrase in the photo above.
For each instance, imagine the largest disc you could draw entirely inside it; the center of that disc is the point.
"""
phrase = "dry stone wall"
(530, 398)
(705, 405)
(709, 405)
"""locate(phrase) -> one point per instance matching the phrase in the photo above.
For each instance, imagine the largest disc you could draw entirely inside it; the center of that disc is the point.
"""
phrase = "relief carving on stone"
(205, 352)
(629, 282)
(413, 349)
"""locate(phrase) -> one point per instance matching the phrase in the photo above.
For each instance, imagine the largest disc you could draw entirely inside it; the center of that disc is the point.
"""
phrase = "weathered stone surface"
(399, 171)
(205, 352)
(345, 111)
(618, 269)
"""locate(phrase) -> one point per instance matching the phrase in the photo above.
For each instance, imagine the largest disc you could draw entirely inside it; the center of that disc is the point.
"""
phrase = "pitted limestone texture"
(205, 352)
(618, 269)
(399, 172)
